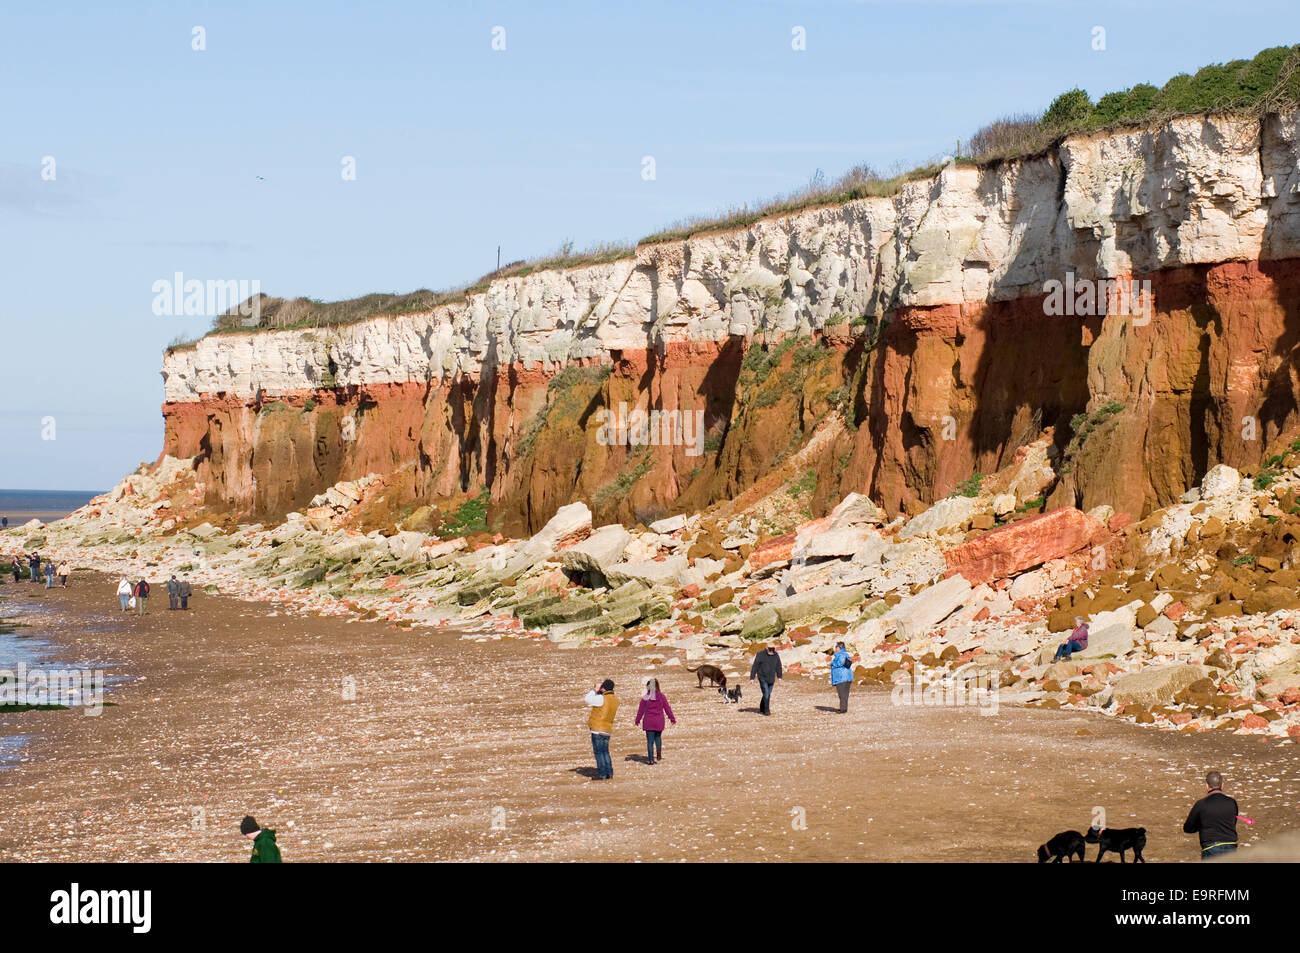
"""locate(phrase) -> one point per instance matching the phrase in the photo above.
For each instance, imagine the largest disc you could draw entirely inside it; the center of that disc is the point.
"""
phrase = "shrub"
(1009, 136)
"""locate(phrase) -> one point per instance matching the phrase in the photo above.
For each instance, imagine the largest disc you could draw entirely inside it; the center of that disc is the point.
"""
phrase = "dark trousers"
(765, 706)
(185, 602)
(604, 764)
(1066, 650)
(1217, 850)
(171, 598)
(654, 741)
(843, 689)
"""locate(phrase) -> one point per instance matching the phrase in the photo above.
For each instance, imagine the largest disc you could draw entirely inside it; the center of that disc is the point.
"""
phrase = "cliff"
(916, 334)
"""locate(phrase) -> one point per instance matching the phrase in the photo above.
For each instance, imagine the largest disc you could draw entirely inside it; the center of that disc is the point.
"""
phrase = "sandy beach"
(457, 749)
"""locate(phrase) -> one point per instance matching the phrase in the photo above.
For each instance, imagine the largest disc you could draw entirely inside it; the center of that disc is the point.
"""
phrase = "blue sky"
(158, 149)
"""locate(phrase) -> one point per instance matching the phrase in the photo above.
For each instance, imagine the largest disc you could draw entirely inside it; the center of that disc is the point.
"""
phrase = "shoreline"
(238, 707)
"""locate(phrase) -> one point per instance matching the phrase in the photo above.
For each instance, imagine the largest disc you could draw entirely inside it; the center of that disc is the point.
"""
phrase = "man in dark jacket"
(173, 591)
(265, 850)
(34, 566)
(1214, 818)
(185, 592)
(141, 593)
(767, 669)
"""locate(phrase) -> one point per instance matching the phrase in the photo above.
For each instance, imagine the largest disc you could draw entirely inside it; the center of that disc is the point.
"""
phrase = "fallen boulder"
(1022, 545)
(1155, 685)
(920, 613)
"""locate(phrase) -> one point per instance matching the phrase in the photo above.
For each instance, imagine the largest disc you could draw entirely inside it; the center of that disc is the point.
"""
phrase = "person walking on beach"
(650, 716)
(1214, 819)
(265, 849)
(1077, 642)
(141, 593)
(604, 705)
(842, 674)
(184, 591)
(124, 593)
(173, 591)
(49, 574)
(767, 669)
(34, 566)
(16, 566)
(64, 571)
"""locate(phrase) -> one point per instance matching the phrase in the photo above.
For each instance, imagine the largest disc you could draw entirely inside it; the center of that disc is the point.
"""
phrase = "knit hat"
(607, 684)
(248, 825)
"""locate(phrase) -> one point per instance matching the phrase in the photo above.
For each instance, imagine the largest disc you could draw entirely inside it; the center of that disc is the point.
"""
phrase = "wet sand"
(455, 749)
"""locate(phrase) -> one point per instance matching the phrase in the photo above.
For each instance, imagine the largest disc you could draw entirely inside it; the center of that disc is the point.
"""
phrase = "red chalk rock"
(1254, 721)
(1022, 545)
(775, 550)
(1175, 611)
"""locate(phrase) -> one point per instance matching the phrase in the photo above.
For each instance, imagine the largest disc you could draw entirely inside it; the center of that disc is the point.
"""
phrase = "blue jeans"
(654, 740)
(124, 599)
(1217, 849)
(765, 706)
(604, 764)
(1068, 649)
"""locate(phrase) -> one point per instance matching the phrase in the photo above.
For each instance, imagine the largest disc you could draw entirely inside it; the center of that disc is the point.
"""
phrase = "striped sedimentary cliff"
(913, 329)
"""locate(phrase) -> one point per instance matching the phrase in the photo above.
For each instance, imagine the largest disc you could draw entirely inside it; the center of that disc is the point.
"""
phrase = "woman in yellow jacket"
(604, 706)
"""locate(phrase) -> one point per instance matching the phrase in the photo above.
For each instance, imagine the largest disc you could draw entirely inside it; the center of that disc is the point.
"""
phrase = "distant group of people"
(654, 713)
(38, 567)
(136, 595)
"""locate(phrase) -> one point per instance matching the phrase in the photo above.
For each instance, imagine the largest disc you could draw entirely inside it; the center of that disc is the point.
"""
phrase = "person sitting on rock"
(1077, 642)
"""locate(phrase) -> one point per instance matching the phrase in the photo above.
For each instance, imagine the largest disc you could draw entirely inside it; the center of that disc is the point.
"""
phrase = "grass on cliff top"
(1268, 82)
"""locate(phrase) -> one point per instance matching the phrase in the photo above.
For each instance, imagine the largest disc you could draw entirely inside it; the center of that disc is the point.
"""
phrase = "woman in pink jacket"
(650, 716)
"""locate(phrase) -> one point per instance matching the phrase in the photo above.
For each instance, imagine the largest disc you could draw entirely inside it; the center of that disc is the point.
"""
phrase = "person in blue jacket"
(842, 675)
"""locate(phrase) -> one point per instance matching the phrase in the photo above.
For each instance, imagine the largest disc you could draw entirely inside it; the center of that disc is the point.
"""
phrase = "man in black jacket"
(1214, 818)
(184, 591)
(767, 668)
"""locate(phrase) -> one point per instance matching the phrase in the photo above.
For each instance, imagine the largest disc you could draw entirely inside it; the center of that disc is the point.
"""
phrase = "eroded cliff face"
(913, 333)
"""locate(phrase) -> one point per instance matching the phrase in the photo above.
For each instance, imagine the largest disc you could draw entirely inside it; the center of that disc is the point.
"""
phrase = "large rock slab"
(1112, 640)
(762, 623)
(1221, 480)
(1022, 545)
(856, 509)
(570, 524)
(820, 601)
(850, 542)
(652, 572)
(1155, 685)
(599, 551)
(947, 514)
(918, 614)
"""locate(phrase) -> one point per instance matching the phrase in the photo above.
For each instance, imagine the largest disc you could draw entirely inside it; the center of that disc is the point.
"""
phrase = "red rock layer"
(946, 392)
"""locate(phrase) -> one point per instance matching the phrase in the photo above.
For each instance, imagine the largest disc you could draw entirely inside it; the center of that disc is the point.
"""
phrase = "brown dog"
(712, 673)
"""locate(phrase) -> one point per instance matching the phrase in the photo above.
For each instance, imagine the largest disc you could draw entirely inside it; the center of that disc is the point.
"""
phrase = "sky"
(127, 154)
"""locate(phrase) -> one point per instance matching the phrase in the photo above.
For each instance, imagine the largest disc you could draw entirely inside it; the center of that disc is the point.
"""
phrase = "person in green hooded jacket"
(265, 850)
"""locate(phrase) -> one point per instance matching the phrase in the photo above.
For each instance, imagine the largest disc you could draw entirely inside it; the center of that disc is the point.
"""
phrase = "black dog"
(1061, 847)
(733, 694)
(711, 672)
(1118, 840)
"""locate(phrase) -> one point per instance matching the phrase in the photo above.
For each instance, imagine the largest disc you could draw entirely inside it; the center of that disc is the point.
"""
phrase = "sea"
(19, 506)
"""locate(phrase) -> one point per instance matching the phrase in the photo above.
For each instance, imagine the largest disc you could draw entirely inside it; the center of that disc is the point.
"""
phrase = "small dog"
(733, 694)
(1063, 846)
(1118, 840)
(712, 673)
